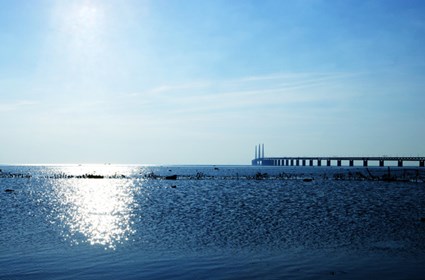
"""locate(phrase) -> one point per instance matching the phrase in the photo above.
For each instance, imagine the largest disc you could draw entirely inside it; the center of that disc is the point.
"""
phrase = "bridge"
(260, 159)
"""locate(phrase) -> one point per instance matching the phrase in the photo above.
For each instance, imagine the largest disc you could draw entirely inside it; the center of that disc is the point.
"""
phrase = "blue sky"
(203, 82)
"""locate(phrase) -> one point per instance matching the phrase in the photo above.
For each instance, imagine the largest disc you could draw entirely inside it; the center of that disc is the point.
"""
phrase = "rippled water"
(212, 222)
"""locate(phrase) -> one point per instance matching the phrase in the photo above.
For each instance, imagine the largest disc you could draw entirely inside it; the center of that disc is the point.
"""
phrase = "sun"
(87, 15)
(78, 37)
(80, 21)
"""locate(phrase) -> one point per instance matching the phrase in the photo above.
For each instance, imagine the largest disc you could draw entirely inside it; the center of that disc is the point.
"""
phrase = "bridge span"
(260, 159)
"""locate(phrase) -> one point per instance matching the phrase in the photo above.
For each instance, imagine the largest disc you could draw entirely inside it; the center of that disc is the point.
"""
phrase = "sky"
(203, 82)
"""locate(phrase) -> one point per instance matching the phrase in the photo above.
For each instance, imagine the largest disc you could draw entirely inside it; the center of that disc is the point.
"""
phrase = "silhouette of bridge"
(261, 159)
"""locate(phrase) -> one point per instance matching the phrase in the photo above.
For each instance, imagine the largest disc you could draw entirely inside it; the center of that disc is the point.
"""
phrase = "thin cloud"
(17, 105)
(179, 87)
(249, 92)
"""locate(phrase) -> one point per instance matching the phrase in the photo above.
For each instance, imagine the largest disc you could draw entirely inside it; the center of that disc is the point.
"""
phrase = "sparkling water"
(211, 222)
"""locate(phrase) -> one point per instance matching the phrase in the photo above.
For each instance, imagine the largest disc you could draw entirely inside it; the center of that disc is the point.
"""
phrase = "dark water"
(222, 222)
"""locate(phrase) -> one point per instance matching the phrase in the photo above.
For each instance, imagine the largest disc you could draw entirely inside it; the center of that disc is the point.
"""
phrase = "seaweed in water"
(90, 176)
(151, 175)
(200, 175)
(261, 176)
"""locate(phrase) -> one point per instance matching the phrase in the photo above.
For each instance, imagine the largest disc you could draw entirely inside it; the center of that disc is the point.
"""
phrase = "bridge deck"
(296, 161)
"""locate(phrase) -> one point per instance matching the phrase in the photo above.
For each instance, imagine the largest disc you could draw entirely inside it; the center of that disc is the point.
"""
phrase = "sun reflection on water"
(98, 212)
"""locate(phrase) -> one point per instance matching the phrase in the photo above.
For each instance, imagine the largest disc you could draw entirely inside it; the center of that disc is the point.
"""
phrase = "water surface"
(213, 222)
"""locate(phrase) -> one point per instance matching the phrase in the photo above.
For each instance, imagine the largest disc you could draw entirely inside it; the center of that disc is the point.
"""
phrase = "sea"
(211, 222)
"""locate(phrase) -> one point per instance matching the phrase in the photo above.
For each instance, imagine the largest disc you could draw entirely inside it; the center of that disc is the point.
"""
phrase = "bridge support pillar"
(303, 162)
(311, 162)
(328, 162)
(297, 162)
(338, 162)
(400, 163)
(292, 162)
(365, 162)
(351, 162)
(319, 162)
(422, 163)
(381, 163)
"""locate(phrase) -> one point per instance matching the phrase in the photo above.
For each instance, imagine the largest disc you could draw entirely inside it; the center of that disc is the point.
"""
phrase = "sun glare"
(96, 211)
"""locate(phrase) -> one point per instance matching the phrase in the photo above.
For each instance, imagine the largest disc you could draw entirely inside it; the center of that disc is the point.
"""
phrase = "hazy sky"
(203, 82)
